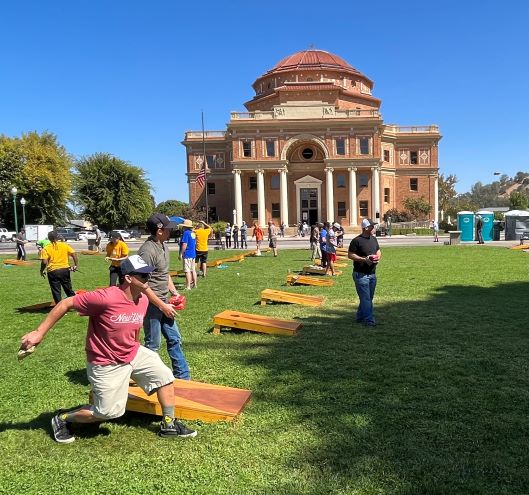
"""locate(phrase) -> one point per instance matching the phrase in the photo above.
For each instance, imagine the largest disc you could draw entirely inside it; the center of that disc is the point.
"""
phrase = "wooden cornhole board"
(92, 253)
(44, 305)
(194, 401)
(254, 323)
(213, 264)
(521, 246)
(317, 270)
(304, 280)
(17, 262)
(338, 265)
(271, 295)
(341, 258)
(177, 273)
(342, 251)
(233, 259)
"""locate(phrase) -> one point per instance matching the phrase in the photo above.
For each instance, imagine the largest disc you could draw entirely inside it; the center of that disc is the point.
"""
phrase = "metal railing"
(338, 114)
(412, 129)
(207, 134)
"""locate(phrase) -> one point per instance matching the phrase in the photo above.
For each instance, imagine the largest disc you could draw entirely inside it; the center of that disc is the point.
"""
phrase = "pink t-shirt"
(113, 324)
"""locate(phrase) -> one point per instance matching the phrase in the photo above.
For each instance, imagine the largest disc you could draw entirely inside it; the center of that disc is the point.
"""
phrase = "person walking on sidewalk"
(272, 237)
(113, 354)
(21, 244)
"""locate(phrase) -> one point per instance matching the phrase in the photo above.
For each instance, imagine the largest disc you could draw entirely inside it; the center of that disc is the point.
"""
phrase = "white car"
(124, 233)
(84, 235)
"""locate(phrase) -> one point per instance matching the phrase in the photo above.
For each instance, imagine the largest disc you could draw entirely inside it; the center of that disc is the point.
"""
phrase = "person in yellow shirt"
(54, 259)
(202, 232)
(117, 251)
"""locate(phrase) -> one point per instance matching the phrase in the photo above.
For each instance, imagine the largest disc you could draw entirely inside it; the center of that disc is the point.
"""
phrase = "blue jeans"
(365, 288)
(155, 324)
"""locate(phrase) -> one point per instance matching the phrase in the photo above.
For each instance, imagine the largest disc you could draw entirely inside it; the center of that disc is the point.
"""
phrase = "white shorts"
(189, 265)
(110, 382)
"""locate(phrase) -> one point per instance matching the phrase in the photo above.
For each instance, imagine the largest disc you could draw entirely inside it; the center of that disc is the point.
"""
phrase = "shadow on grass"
(78, 377)
(433, 400)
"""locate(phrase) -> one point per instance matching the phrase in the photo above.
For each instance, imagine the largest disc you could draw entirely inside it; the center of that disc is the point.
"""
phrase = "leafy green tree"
(112, 192)
(447, 190)
(518, 200)
(418, 207)
(39, 167)
(173, 207)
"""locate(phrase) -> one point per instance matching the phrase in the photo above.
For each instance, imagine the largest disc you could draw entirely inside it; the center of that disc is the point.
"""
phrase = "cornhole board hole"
(254, 323)
(17, 262)
(317, 270)
(337, 265)
(304, 280)
(271, 295)
(194, 401)
(213, 264)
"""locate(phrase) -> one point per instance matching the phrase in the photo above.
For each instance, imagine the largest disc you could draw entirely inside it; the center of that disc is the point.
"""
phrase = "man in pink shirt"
(113, 352)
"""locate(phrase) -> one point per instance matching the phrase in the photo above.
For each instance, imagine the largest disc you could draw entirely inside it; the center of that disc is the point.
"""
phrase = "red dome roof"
(312, 60)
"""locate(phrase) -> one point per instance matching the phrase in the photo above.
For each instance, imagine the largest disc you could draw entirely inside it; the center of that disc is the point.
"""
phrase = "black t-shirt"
(364, 246)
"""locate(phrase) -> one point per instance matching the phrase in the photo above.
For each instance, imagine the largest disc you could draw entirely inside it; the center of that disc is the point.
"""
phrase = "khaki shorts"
(110, 382)
(189, 265)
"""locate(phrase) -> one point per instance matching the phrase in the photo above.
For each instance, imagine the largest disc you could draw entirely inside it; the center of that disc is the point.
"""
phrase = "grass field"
(434, 400)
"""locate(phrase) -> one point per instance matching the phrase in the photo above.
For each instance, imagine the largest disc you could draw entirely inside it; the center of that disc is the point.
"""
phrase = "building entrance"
(309, 205)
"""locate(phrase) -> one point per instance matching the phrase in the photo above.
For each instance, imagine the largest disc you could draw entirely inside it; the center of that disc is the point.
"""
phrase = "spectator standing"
(339, 230)
(315, 243)
(117, 251)
(21, 244)
(157, 321)
(227, 236)
(244, 235)
(365, 253)
(113, 354)
(272, 237)
(258, 234)
(188, 253)
(235, 235)
(41, 245)
(330, 248)
(202, 233)
(435, 230)
(54, 259)
(323, 242)
(282, 229)
(479, 229)
(98, 238)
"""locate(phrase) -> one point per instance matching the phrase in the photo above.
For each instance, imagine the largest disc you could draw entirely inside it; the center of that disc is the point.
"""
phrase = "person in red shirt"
(114, 354)
(258, 234)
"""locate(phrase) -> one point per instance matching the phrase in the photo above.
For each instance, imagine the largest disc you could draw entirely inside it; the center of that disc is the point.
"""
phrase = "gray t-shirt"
(157, 254)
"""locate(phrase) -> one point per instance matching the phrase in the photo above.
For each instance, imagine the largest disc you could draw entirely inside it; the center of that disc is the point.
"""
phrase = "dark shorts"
(201, 257)
(272, 243)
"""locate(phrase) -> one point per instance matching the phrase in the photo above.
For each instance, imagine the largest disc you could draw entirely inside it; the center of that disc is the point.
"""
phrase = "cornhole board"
(44, 305)
(338, 265)
(254, 323)
(234, 259)
(342, 251)
(92, 253)
(194, 401)
(304, 280)
(17, 262)
(317, 270)
(271, 295)
(521, 247)
(177, 273)
(341, 258)
(213, 264)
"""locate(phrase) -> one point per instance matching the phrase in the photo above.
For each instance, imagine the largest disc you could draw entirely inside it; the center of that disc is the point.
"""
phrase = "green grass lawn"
(434, 400)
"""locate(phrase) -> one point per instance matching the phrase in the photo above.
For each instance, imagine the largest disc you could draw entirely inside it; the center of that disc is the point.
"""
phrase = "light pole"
(23, 203)
(14, 191)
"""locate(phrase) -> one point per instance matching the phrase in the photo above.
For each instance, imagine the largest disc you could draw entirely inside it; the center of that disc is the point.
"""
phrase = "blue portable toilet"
(488, 220)
(465, 223)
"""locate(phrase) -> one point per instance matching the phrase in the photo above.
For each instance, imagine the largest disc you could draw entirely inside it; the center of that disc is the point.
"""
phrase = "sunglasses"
(143, 276)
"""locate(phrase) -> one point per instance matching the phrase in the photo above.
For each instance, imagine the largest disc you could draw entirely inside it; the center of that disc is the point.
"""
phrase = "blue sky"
(130, 77)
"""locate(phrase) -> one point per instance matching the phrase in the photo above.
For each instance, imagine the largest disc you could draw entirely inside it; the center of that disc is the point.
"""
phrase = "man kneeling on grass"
(114, 354)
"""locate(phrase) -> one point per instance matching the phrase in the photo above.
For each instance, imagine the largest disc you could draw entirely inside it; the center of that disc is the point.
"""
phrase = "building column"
(376, 194)
(283, 195)
(436, 199)
(238, 197)
(330, 194)
(353, 212)
(261, 208)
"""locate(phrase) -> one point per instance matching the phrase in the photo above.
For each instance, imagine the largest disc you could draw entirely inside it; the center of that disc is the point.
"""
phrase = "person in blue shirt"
(323, 244)
(188, 253)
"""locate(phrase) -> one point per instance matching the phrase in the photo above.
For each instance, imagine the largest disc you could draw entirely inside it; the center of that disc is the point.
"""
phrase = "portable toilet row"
(516, 223)
(466, 223)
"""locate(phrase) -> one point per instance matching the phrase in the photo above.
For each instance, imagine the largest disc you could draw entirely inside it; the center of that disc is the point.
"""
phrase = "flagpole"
(205, 169)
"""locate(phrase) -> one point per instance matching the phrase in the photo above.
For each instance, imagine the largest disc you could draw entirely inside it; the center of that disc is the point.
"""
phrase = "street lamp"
(14, 191)
(23, 203)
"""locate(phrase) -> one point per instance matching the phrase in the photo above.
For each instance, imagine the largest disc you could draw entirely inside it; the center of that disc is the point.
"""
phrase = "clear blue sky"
(129, 77)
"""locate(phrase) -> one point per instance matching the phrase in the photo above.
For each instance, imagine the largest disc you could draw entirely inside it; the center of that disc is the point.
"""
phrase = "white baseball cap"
(135, 264)
(367, 222)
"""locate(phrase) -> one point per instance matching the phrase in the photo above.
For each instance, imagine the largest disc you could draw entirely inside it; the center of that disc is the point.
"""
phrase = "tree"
(111, 192)
(173, 207)
(418, 207)
(39, 167)
(447, 190)
(518, 200)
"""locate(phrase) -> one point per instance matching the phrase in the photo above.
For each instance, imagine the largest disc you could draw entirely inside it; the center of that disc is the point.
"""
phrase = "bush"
(398, 231)
(397, 216)
(446, 227)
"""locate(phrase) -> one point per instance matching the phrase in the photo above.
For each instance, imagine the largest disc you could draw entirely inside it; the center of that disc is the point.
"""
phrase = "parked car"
(67, 234)
(7, 235)
(135, 234)
(84, 235)
(124, 233)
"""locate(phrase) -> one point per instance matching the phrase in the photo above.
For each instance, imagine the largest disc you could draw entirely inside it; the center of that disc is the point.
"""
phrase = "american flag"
(201, 177)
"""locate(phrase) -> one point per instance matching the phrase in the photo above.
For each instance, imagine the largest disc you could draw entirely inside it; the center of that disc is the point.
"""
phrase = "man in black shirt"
(365, 253)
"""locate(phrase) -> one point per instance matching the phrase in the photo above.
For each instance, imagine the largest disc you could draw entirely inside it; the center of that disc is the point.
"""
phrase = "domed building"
(312, 146)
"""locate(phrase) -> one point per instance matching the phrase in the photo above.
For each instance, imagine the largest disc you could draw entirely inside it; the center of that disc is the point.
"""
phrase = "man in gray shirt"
(155, 324)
